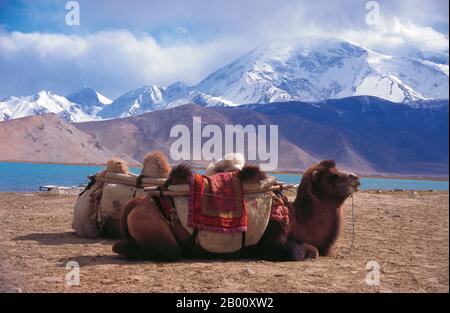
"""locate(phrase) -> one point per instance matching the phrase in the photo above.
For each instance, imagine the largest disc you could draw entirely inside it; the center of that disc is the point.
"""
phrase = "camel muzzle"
(355, 181)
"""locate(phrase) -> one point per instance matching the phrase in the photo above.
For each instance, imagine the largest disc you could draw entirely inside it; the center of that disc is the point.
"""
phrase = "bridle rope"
(353, 231)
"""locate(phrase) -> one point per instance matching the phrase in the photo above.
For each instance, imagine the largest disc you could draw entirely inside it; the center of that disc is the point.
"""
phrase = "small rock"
(18, 290)
(414, 193)
(137, 278)
(396, 215)
(248, 271)
(54, 191)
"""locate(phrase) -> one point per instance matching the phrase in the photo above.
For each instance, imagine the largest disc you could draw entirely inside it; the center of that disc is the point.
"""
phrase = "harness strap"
(167, 209)
(89, 185)
(243, 240)
(188, 246)
(139, 181)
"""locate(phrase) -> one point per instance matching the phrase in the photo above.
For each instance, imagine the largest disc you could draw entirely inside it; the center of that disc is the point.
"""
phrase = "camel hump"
(230, 162)
(155, 165)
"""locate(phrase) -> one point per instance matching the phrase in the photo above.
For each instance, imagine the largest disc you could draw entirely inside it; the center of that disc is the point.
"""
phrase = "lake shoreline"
(299, 172)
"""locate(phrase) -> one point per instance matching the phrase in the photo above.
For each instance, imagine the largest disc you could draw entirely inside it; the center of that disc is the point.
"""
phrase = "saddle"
(222, 213)
(98, 208)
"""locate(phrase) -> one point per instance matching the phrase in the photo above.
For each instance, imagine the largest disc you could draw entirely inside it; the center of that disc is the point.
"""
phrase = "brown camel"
(315, 219)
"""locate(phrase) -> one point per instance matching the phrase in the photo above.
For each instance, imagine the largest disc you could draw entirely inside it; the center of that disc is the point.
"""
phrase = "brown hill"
(363, 134)
(48, 139)
(150, 131)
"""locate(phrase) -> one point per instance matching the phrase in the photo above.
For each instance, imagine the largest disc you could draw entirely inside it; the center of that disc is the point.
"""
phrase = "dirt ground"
(405, 232)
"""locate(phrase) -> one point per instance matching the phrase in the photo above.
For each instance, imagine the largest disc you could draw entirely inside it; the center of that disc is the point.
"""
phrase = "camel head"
(324, 182)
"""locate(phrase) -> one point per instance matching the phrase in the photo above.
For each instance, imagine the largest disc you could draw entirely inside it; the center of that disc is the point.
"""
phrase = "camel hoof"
(311, 252)
(296, 250)
(126, 248)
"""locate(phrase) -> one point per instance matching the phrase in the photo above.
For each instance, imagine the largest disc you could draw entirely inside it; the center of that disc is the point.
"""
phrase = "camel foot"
(132, 250)
(295, 251)
(127, 248)
(311, 252)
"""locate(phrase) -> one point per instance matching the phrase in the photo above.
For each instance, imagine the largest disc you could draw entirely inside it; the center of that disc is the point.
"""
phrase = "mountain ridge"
(301, 69)
(367, 135)
(364, 134)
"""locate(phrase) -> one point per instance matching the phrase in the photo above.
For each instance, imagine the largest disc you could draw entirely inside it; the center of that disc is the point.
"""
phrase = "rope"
(226, 198)
(350, 247)
(157, 191)
(353, 231)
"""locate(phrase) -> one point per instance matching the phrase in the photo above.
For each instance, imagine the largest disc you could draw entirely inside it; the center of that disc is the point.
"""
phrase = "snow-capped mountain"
(152, 98)
(79, 106)
(311, 69)
(89, 100)
(302, 69)
(135, 102)
(200, 98)
(41, 103)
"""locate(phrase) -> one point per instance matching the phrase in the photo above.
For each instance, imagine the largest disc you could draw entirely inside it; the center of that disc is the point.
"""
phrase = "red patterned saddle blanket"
(216, 203)
(279, 210)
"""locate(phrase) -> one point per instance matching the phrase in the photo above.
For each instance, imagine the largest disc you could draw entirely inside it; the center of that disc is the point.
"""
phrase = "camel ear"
(315, 176)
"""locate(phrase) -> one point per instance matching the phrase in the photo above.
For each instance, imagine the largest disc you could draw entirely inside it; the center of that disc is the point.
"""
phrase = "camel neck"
(319, 224)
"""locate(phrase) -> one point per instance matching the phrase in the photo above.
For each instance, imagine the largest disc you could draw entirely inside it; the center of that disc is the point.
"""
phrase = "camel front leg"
(149, 235)
(311, 252)
(275, 246)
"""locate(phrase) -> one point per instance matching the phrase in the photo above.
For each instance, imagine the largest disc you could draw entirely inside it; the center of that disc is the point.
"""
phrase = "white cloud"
(195, 39)
(395, 37)
(111, 61)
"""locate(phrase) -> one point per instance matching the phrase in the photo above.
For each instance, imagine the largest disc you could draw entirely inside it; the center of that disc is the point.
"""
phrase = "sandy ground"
(405, 232)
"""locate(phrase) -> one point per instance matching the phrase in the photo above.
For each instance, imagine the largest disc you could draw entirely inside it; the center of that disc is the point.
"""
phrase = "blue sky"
(120, 45)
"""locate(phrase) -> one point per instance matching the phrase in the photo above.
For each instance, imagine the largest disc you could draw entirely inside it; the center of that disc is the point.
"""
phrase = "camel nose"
(355, 178)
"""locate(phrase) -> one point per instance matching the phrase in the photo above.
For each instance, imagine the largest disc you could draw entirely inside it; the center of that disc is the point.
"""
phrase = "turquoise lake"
(28, 177)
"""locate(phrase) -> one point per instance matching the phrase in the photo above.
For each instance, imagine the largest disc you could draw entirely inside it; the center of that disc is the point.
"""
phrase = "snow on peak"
(151, 98)
(41, 103)
(312, 69)
(89, 100)
(135, 102)
(102, 99)
(304, 69)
